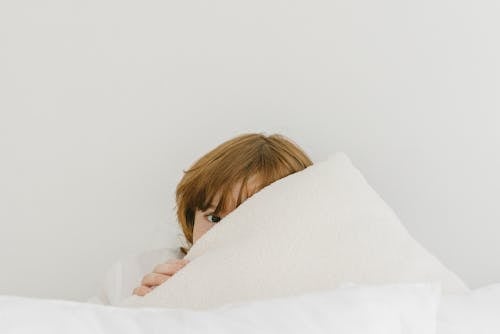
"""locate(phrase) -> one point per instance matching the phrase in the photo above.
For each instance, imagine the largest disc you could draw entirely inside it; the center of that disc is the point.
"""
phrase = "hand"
(160, 274)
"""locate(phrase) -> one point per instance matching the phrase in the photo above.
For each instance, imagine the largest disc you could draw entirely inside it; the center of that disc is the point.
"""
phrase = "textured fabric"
(312, 230)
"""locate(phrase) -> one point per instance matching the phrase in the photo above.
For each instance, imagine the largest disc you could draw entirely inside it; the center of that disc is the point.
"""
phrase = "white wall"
(103, 103)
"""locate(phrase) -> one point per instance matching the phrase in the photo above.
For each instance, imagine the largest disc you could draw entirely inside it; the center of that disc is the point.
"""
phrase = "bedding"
(312, 230)
(350, 309)
(475, 312)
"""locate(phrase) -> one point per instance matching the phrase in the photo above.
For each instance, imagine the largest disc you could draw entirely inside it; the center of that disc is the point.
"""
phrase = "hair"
(231, 164)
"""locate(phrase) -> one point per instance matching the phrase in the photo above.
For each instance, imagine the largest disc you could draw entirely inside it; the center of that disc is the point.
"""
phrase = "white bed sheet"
(389, 309)
(477, 312)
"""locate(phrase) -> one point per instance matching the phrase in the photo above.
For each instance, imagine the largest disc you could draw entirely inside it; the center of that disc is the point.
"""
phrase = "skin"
(203, 222)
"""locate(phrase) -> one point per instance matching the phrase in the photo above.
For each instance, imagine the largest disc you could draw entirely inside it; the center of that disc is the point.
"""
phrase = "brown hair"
(233, 162)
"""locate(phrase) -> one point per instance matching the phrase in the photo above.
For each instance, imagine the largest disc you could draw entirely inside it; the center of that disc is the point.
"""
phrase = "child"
(219, 182)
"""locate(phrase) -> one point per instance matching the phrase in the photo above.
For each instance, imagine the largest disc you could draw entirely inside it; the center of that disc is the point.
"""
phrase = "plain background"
(104, 103)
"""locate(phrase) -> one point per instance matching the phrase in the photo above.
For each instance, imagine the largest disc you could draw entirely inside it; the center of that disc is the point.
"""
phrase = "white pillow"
(312, 230)
(397, 309)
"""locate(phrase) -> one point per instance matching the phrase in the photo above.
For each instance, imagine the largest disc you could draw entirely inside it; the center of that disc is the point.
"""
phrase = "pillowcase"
(398, 309)
(312, 230)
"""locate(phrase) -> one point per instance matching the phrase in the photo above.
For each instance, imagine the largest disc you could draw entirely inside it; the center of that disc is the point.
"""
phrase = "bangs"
(225, 191)
(227, 198)
(223, 194)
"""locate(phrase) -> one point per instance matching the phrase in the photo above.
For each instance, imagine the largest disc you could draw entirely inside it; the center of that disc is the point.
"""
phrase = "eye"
(213, 218)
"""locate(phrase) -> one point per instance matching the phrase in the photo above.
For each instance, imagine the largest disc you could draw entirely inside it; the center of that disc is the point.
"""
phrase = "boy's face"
(205, 220)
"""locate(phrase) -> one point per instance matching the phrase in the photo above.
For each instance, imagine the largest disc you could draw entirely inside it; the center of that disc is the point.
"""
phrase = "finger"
(141, 290)
(168, 268)
(154, 279)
